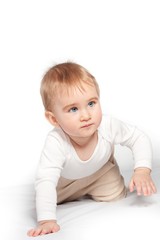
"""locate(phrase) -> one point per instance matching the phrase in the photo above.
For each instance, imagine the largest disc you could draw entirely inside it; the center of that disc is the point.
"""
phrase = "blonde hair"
(61, 78)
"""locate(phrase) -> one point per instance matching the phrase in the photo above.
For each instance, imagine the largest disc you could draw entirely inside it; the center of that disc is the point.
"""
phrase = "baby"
(78, 154)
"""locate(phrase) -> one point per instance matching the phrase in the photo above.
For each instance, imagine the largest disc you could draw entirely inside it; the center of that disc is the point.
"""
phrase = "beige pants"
(105, 185)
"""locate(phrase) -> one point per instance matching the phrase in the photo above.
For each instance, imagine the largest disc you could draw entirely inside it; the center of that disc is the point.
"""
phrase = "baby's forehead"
(76, 96)
(76, 88)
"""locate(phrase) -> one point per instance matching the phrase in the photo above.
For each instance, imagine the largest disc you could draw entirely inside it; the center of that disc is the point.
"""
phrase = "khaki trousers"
(105, 185)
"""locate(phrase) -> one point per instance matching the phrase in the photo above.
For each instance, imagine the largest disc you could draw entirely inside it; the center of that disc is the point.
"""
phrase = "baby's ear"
(51, 118)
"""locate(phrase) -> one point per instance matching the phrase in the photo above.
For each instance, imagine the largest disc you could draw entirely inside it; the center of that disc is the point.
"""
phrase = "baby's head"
(62, 79)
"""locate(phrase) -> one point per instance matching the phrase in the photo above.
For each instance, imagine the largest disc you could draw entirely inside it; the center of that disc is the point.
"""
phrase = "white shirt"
(59, 158)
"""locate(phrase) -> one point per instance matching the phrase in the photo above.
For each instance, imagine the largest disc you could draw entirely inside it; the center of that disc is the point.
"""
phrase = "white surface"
(130, 218)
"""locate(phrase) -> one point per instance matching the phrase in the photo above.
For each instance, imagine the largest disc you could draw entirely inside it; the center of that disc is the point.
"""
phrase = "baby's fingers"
(30, 232)
(131, 186)
(153, 187)
(139, 189)
(34, 232)
(148, 188)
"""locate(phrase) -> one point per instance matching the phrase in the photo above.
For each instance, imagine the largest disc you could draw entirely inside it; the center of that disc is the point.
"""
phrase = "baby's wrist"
(143, 170)
(47, 221)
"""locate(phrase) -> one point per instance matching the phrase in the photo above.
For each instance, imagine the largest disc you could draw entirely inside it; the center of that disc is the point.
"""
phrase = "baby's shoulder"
(56, 136)
(105, 126)
(109, 127)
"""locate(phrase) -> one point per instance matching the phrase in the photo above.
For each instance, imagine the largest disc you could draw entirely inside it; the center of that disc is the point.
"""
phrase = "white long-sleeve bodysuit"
(59, 158)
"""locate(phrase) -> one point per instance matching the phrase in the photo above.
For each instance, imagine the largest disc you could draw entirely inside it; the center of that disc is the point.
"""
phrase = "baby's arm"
(44, 227)
(48, 174)
(140, 145)
(142, 181)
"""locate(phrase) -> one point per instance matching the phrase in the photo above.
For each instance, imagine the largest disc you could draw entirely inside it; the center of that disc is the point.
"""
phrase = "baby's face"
(79, 112)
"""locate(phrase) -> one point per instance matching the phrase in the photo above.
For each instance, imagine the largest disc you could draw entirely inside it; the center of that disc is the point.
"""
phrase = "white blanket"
(135, 217)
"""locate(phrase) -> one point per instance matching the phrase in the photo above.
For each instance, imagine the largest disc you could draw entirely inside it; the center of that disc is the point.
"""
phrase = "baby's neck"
(86, 147)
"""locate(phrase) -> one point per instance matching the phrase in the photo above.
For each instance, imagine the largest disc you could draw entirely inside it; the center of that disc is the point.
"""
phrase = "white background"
(117, 41)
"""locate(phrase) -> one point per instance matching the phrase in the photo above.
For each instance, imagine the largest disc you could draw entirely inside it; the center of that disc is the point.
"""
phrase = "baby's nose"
(85, 116)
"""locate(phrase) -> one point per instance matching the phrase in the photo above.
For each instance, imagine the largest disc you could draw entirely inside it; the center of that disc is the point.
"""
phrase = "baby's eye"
(73, 109)
(91, 104)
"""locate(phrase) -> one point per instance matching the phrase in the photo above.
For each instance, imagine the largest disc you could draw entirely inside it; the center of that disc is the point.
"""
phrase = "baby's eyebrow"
(69, 106)
(93, 98)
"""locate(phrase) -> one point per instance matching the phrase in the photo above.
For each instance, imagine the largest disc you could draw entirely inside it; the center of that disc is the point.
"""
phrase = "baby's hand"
(44, 227)
(142, 181)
